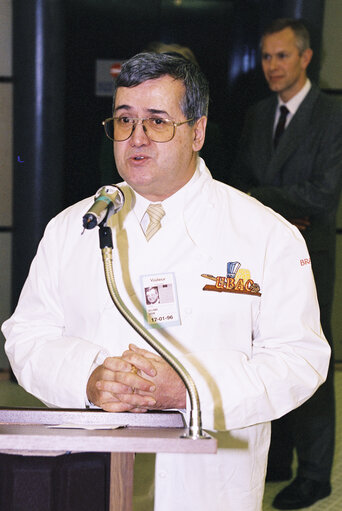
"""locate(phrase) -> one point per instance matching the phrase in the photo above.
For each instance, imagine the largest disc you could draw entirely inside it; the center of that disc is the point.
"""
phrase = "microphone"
(108, 200)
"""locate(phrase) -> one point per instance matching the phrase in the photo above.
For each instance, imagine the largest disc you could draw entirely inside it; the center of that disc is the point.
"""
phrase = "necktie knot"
(155, 213)
(280, 125)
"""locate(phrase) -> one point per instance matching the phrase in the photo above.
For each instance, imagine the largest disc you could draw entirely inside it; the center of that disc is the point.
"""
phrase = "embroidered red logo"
(303, 262)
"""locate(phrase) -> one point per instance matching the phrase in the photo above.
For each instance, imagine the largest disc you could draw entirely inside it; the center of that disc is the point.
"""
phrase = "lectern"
(29, 431)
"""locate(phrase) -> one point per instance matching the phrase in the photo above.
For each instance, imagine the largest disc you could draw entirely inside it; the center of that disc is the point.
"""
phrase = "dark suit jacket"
(302, 176)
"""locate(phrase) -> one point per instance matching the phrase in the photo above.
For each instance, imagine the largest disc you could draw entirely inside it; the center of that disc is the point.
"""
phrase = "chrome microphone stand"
(106, 244)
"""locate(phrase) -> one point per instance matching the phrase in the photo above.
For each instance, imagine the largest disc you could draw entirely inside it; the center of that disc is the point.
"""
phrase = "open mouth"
(139, 158)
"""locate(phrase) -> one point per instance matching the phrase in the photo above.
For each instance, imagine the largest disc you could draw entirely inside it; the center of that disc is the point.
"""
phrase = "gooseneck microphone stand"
(106, 246)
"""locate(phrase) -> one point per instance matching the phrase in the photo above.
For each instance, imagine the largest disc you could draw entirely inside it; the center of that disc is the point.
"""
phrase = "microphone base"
(194, 436)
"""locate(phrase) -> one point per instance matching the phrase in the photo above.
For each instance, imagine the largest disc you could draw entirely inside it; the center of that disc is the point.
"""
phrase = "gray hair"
(297, 26)
(149, 66)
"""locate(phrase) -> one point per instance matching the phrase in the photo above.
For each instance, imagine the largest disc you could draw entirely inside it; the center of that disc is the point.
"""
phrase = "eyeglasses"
(156, 129)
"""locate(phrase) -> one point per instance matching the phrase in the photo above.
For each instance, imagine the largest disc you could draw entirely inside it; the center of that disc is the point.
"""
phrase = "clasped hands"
(137, 381)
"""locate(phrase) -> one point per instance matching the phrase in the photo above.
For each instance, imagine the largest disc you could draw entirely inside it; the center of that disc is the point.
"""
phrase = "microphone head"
(89, 221)
(108, 200)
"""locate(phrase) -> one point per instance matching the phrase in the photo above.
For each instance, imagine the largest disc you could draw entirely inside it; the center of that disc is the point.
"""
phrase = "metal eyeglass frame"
(136, 122)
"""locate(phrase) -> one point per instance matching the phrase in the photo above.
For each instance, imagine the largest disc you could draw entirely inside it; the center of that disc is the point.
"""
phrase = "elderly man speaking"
(242, 314)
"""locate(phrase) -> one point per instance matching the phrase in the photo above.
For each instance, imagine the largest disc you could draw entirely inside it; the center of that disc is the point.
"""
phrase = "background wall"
(331, 81)
(213, 34)
(331, 68)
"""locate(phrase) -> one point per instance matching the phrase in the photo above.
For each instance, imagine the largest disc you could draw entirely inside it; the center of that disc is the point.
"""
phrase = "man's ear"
(306, 57)
(199, 133)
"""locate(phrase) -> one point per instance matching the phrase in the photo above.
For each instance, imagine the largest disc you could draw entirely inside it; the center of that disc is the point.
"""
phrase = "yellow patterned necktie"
(156, 213)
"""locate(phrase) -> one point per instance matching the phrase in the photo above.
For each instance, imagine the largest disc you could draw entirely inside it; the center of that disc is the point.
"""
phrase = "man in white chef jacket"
(238, 305)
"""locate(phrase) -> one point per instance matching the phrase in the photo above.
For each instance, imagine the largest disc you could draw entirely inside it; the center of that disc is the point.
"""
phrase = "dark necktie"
(281, 125)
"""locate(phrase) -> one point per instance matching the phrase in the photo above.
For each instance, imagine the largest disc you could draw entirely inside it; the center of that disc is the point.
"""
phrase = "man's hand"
(301, 223)
(170, 391)
(115, 386)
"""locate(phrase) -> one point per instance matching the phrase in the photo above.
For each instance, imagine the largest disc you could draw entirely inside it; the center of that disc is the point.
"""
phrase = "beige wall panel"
(6, 154)
(331, 78)
(331, 68)
(5, 37)
(5, 288)
(337, 308)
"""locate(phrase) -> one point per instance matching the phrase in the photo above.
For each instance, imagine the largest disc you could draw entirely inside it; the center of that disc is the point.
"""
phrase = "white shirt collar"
(293, 104)
(170, 205)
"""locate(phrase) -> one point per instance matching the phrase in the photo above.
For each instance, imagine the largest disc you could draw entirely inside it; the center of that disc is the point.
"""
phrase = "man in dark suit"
(290, 158)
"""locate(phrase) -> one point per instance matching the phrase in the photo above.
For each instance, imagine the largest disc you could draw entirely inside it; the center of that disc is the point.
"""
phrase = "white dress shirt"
(292, 105)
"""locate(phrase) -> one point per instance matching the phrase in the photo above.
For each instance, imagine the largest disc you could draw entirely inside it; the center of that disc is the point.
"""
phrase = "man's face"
(157, 170)
(284, 68)
(152, 295)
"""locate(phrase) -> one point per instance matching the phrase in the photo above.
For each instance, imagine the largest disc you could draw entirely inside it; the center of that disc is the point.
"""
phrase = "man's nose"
(272, 63)
(139, 136)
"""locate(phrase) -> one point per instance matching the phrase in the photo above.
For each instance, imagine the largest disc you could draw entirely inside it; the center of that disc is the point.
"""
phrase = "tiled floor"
(13, 395)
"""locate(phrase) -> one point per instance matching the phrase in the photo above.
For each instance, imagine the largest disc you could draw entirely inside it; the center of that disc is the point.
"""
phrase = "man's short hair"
(300, 31)
(150, 66)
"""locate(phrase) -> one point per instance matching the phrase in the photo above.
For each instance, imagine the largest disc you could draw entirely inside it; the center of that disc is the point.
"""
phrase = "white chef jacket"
(253, 356)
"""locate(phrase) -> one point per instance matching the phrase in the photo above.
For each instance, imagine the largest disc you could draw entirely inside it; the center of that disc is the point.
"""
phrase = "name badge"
(159, 297)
